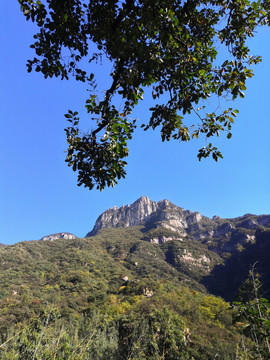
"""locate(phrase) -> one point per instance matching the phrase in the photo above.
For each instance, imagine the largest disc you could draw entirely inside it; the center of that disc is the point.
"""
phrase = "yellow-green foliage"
(214, 309)
(94, 313)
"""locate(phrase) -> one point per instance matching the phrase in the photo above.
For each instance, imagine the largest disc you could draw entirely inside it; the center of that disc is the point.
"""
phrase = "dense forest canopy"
(184, 51)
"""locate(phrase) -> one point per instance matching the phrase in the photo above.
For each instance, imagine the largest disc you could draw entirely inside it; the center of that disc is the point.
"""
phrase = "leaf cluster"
(168, 46)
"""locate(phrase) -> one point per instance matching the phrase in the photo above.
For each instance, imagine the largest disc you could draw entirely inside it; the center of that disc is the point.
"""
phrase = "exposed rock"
(163, 204)
(249, 238)
(147, 293)
(125, 216)
(264, 220)
(203, 235)
(195, 217)
(176, 225)
(187, 336)
(201, 261)
(223, 230)
(62, 235)
(249, 224)
(168, 222)
(144, 212)
(163, 239)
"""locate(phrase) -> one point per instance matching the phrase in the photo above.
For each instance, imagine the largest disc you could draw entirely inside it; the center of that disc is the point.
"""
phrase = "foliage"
(67, 299)
(253, 315)
(170, 47)
(158, 335)
(118, 296)
(147, 329)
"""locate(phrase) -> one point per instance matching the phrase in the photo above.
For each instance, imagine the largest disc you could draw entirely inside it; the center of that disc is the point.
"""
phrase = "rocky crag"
(182, 224)
(63, 235)
(149, 213)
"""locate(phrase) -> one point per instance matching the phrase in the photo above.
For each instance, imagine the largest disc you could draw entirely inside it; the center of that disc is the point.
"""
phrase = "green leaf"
(242, 95)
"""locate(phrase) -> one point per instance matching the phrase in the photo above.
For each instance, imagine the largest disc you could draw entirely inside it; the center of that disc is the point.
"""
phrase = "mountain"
(221, 235)
(145, 279)
(126, 215)
(149, 213)
(216, 252)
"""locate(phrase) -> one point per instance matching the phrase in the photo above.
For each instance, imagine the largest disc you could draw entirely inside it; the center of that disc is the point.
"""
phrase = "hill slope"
(112, 283)
(137, 288)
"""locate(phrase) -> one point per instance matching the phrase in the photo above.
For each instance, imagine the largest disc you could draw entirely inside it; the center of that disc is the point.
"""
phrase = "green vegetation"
(178, 53)
(114, 296)
(227, 277)
(252, 312)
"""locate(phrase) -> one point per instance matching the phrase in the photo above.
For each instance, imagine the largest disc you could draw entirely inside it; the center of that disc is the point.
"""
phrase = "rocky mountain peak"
(163, 221)
(143, 206)
(162, 204)
(149, 213)
(126, 215)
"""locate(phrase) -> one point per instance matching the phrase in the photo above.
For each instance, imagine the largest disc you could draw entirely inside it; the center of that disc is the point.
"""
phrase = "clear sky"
(38, 192)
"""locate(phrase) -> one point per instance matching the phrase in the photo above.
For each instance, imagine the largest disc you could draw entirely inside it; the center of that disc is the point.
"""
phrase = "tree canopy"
(184, 51)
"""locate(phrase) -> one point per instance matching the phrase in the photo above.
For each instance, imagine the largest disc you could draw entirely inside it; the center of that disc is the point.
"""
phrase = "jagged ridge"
(142, 212)
(183, 223)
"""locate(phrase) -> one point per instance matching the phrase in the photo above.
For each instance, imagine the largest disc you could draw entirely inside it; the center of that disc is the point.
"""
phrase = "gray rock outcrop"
(223, 229)
(149, 213)
(63, 235)
(163, 221)
(126, 215)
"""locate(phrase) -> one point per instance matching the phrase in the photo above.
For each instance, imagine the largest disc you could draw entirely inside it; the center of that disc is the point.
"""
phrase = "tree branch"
(108, 95)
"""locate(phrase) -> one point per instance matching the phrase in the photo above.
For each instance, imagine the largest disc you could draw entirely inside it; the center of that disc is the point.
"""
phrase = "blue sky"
(38, 191)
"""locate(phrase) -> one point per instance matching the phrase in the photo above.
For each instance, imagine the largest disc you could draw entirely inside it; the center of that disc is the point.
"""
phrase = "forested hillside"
(113, 296)
(143, 286)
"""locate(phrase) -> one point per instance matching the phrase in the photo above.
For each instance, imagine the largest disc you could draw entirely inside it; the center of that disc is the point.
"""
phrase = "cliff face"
(149, 213)
(125, 216)
(220, 235)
